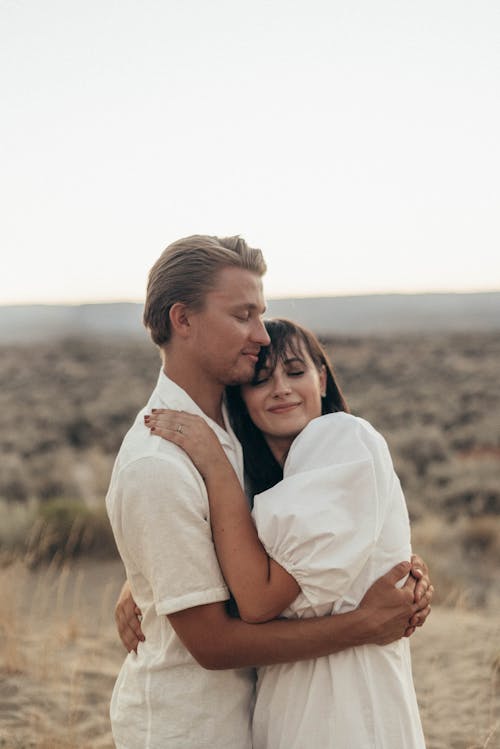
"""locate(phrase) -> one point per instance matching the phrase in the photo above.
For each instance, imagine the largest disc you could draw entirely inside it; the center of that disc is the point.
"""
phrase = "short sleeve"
(166, 535)
(321, 526)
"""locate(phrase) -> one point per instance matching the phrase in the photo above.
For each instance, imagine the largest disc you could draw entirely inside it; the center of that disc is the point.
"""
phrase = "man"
(191, 682)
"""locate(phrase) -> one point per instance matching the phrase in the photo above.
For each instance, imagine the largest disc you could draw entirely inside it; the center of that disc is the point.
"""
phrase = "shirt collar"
(174, 397)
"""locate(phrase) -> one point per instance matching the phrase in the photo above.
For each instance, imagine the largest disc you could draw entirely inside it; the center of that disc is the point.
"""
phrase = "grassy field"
(63, 414)
(59, 657)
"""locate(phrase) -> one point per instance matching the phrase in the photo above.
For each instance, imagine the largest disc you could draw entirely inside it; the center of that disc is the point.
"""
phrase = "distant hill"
(345, 315)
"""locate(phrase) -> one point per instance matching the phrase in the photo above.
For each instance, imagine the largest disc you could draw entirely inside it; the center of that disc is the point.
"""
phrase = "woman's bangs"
(285, 344)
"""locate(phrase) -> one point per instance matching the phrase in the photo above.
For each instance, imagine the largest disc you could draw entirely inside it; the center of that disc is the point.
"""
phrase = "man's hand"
(127, 619)
(392, 610)
(423, 590)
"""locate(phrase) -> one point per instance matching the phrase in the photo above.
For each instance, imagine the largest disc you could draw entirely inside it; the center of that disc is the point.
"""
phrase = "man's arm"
(218, 641)
(376, 602)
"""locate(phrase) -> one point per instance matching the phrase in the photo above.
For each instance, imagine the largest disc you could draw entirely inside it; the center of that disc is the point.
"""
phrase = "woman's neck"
(279, 447)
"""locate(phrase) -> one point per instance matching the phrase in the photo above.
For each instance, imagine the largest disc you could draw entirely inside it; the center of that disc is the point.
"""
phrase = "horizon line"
(85, 303)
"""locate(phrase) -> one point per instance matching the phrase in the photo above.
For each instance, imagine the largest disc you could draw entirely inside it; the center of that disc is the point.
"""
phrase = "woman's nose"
(281, 387)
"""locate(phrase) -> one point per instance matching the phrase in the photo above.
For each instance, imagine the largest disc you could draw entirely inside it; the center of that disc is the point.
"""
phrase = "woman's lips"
(285, 408)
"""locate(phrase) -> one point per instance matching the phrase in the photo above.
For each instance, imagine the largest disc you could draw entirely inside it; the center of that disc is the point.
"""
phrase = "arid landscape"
(64, 407)
(59, 658)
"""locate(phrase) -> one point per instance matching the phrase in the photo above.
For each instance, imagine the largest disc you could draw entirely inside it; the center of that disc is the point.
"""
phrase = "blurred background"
(357, 145)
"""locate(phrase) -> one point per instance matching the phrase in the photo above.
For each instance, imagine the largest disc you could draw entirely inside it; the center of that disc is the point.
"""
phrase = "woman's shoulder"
(330, 426)
(336, 437)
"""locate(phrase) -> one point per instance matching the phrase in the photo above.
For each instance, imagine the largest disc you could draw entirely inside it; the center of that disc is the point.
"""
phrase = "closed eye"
(260, 382)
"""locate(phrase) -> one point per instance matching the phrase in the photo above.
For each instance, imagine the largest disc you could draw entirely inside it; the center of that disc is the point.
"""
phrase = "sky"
(356, 142)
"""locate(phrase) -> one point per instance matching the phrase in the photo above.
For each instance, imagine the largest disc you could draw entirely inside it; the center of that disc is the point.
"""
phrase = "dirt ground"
(59, 657)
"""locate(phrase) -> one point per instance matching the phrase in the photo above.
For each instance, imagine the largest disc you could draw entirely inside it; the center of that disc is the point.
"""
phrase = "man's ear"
(179, 314)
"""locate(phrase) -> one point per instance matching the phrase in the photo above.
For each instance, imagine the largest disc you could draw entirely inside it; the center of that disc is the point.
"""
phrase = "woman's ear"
(322, 380)
(179, 319)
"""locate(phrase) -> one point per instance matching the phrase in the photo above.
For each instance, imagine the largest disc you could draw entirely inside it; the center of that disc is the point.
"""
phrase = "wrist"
(216, 468)
(352, 629)
(362, 627)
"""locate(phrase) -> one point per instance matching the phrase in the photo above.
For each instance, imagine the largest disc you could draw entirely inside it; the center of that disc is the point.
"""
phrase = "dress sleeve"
(321, 526)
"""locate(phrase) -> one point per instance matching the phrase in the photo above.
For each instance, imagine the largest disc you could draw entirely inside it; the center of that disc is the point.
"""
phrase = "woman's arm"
(218, 641)
(261, 587)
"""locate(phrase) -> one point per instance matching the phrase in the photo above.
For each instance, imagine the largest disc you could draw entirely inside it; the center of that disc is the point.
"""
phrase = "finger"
(130, 641)
(135, 625)
(169, 416)
(410, 584)
(163, 419)
(171, 435)
(170, 413)
(423, 595)
(167, 422)
(421, 588)
(127, 634)
(409, 631)
(127, 620)
(423, 616)
(397, 573)
(418, 619)
(418, 564)
(417, 572)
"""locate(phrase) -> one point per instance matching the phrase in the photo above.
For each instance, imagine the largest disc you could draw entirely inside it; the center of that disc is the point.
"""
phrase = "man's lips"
(254, 357)
(283, 408)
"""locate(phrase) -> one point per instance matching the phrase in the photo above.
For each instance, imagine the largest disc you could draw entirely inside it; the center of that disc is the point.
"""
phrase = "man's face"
(228, 332)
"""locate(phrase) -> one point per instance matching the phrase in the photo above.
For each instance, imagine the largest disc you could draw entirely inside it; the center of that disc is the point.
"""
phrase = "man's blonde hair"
(185, 272)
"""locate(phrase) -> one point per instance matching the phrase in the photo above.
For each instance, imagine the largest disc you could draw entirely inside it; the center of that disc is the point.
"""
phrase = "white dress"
(337, 522)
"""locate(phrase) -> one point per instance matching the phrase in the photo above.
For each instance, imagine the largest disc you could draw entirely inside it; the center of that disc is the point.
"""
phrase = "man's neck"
(205, 393)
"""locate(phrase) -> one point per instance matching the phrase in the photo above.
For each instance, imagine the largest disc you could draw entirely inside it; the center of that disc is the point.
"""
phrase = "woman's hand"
(190, 432)
(128, 619)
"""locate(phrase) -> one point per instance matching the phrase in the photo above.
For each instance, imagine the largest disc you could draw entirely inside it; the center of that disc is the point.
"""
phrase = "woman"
(331, 518)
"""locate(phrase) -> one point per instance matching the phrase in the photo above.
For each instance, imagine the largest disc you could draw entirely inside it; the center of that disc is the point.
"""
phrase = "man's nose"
(260, 334)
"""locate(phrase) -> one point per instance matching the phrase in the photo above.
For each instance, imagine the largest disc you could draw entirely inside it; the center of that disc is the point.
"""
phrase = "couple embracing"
(289, 629)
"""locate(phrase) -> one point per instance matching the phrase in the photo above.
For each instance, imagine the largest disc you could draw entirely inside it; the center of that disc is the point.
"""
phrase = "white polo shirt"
(158, 508)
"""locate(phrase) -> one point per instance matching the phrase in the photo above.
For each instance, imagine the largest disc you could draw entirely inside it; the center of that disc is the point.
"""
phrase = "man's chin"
(243, 376)
(239, 380)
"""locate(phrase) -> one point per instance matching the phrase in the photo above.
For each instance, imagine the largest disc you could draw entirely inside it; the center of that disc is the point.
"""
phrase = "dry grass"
(436, 400)
(59, 658)
(58, 655)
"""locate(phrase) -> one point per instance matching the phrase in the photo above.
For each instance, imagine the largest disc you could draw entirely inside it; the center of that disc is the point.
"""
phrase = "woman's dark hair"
(261, 467)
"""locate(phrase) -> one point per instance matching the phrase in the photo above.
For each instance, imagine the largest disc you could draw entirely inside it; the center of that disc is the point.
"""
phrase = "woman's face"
(283, 401)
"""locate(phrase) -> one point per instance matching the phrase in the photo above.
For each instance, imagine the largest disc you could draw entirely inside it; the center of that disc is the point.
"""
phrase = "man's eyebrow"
(251, 306)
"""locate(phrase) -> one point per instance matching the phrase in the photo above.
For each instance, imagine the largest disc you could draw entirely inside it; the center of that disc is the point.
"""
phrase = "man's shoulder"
(143, 456)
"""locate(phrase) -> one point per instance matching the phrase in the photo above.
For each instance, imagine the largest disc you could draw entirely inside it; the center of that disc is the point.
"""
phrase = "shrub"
(66, 528)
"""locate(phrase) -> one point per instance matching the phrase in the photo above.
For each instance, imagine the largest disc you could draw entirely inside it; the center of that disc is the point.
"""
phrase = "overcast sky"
(355, 142)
